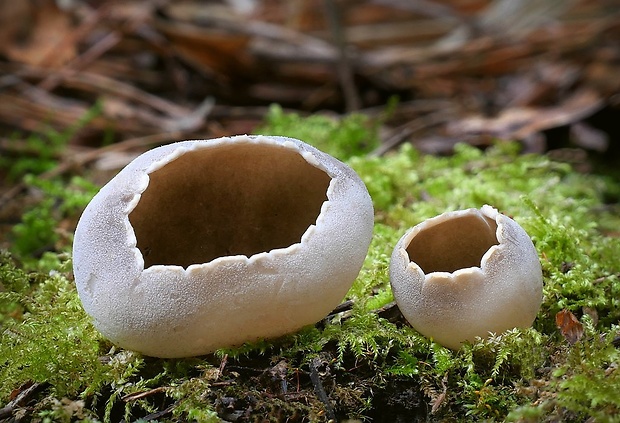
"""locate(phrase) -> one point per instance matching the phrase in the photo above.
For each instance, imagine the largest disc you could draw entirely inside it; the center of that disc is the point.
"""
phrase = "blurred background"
(435, 72)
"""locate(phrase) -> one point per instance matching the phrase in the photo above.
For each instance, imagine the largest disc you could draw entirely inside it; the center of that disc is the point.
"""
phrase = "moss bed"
(364, 363)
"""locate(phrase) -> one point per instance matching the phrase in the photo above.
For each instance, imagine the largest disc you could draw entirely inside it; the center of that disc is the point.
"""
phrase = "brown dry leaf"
(569, 326)
(519, 123)
(14, 21)
(35, 33)
(210, 50)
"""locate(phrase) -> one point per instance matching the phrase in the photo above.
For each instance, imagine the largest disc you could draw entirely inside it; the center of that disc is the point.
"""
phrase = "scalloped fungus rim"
(174, 310)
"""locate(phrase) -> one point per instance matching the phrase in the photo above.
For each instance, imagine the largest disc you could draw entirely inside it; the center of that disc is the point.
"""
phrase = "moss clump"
(582, 382)
(353, 135)
(56, 199)
(40, 229)
(47, 336)
(372, 364)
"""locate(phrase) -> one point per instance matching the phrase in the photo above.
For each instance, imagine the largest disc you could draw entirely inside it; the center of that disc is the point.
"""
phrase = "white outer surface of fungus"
(482, 276)
(175, 311)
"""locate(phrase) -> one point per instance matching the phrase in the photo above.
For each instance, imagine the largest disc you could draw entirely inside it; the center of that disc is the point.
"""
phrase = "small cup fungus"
(466, 274)
(200, 245)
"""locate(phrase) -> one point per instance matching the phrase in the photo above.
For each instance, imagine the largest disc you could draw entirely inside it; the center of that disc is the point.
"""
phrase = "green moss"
(50, 339)
(39, 229)
(57, 198)
(582, 382)
(42, 150)
(353, 135)
(373, 366)
(588, 384)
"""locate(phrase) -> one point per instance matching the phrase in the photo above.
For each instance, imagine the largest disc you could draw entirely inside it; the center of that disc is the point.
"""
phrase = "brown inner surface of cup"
(226, 200)
(456, 243)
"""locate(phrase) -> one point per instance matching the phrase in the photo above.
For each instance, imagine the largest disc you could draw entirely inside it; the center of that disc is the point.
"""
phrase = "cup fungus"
(200, 245)
(465, 274)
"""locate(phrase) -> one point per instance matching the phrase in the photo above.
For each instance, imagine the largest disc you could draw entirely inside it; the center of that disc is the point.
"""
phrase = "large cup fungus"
(200, 245)
(466, 274)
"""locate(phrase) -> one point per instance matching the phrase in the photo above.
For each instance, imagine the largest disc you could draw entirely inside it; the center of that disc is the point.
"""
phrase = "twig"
(424, 7)
(346, 306)
(94, 52)
(192, 121)
(101, 84)
(345, 72)
(22, 398)
(91, 20)
(390, 312)
(81, 159)
(222, 366)
(105, 44)
(408, 129)
(319, 390)
(602, 278)
(139, 395)
(438, 401)
(223, 383)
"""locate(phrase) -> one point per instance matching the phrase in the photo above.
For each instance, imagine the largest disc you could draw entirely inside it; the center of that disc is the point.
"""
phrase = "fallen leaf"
(209, 49)
(521, 122)
(37, 34)
(569, 326)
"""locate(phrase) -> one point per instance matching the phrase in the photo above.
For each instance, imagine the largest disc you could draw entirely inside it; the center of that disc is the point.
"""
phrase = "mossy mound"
(365, 362)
